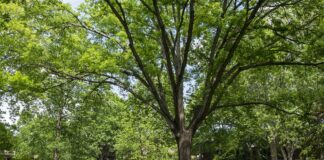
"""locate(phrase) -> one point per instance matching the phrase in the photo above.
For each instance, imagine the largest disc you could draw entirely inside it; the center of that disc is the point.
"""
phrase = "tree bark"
(184, 141)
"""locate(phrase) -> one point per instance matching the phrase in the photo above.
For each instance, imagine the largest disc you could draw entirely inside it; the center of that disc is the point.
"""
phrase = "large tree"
(206, 43)
(186, 54)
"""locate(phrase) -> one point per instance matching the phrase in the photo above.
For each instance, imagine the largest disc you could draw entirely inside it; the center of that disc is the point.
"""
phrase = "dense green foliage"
(228, 79)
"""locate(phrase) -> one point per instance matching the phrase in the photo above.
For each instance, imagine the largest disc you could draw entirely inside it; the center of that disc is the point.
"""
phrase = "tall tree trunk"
(273, 149)
(184, 142)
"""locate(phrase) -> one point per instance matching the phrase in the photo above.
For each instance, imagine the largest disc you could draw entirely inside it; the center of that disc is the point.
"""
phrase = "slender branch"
(176, 40)
(218, 33)
(188, 43)
(279, 64)
(137, 76)
(121, 9)
(274, 8)
(237, 5)
(160, 110)
(288, 38)
(147, 6)
(267, 104)
(86, 27)
(164, 38)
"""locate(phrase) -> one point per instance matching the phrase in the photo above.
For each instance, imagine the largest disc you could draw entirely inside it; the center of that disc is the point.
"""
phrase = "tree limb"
(188, 43)
(164, 38)
(267, 104)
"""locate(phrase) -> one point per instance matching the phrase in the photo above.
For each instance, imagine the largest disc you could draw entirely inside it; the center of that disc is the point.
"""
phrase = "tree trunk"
(184, 141)
(288, 152)
(283, 152)
(273, 149)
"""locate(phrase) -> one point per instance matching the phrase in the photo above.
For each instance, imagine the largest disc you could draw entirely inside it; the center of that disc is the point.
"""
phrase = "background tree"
(268, 129)
(7, 140)
(143, 135)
